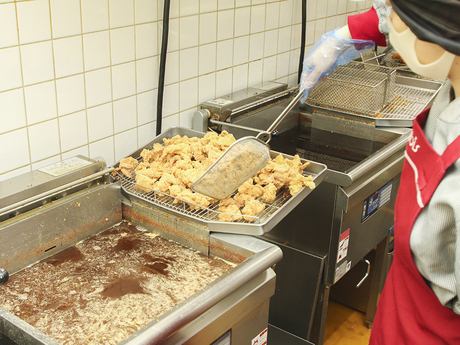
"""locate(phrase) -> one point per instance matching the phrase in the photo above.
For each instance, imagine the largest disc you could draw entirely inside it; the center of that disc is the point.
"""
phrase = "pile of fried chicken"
(171, 168)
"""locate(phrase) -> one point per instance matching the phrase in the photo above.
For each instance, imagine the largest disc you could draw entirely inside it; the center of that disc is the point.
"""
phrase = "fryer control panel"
(376, 201)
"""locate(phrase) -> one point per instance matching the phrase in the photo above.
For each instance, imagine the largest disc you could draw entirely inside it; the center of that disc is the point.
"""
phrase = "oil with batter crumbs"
(107, 287)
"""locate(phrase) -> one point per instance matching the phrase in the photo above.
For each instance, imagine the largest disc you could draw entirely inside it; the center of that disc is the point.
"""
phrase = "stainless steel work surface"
(264, 222)
(19, 194)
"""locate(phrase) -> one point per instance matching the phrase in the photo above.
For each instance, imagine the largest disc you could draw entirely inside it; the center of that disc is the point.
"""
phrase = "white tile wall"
(100, 122)
(70, 93)
(40, 102)
(13, 112)
(44, 140)
(10, 69)
(73, 131)
(37, 62)
(81, 76)
(8, 29)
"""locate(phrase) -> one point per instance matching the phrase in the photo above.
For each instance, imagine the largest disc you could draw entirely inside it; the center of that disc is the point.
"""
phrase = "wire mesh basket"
(356, 87)
(392, 59)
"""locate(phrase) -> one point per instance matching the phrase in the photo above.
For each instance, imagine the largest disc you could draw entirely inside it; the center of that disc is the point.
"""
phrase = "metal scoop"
(242, 160)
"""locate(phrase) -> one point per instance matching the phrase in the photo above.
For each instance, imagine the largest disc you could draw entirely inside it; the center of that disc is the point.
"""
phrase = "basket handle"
(281, 117)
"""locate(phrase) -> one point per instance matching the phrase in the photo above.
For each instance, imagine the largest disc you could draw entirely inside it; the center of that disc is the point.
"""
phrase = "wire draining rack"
(209, 216)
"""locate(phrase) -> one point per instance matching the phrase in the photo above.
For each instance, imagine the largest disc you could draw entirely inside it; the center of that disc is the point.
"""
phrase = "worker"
(420, 300)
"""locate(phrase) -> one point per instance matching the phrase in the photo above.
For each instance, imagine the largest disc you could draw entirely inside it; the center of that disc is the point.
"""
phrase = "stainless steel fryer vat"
(344, 219)
(347, 217)
(233, 306)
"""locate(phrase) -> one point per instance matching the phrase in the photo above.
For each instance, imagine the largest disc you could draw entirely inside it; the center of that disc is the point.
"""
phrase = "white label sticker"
(342, 270)
(66, 166)
(343, 245)
(261, 339)
(220, 101)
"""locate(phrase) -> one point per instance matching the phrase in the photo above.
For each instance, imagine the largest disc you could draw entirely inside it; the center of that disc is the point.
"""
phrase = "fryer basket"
(357, 87)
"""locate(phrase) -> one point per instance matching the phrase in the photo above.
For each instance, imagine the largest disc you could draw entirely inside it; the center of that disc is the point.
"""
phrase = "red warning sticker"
(261, 339)
(343, 245)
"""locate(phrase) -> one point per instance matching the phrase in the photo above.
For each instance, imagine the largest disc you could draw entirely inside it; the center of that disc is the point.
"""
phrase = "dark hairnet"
(435, 21)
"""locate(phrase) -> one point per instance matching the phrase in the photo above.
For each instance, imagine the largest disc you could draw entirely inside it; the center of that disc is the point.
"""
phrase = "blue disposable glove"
(330, 51)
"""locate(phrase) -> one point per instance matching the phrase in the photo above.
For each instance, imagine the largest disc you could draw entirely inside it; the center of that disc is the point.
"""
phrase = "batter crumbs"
(107, 287)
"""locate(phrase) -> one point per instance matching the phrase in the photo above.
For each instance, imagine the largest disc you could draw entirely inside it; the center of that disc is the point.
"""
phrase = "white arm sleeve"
(383, 11)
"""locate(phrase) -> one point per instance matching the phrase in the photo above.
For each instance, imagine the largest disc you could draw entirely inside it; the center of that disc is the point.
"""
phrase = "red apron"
(409, 312)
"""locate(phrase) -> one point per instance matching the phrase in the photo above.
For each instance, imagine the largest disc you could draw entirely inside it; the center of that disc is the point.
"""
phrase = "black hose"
(161, 77)
(302, 43)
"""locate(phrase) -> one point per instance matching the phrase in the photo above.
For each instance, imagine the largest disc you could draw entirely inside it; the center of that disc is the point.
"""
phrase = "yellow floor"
(345, 326)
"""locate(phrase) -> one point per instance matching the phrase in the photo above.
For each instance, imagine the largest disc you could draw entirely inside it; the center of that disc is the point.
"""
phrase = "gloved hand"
(330, 51)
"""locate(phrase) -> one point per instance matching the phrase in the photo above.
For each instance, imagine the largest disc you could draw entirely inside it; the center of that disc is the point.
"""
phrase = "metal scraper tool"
(242, 160)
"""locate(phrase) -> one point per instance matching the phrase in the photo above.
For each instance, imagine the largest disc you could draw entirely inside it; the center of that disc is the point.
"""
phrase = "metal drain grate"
(209, 213)
(332, 163)
(407, 102)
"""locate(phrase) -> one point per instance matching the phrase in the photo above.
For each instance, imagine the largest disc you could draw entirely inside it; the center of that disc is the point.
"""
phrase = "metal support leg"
(319, 321)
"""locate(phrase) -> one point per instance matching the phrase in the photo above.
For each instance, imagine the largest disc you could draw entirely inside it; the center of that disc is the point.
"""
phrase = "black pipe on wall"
(303, 39)
(161, 74)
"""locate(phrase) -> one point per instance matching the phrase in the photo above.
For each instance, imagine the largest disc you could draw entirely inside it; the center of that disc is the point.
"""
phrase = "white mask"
(404, 43)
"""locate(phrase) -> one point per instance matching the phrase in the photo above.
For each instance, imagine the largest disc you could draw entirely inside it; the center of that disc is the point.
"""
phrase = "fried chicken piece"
(208, 137)
(171, 160)
(181, 149)
(175, 190)
(220, 141)
(242, 199)
(167, 180)
(197, 151)
(152, 155)
(195, 201)
(230, 213)
(294, 188)
(188, 176)
(183, 164)
(212, 152)
(264, 178)
(280, 179)
(127, 166)
(296, 164)
(176, 140)
(282, 172)
(251, 189)
(144, 181)
(207, 162)
(198, 165)
(147, 171)
(252, 209)
(228, 201)
(224, 140)
(269, 193)
(296, 184)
